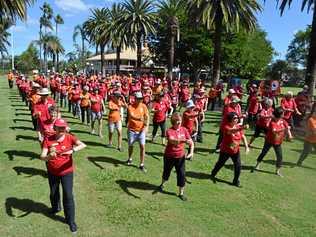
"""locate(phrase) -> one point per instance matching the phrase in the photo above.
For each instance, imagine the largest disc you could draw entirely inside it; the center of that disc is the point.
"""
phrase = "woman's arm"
(244, 139)
(191, 148)
(45, 156)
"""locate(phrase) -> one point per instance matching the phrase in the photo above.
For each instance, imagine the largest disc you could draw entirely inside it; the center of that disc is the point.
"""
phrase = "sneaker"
(142, 168)
(217, 150)
(108, 145)
(92, 132)
(160, 188)
(237, 184)
(129, 161)
(182, 197)
(73, 228)
(120, 149)
(54, 211)
(279, 174)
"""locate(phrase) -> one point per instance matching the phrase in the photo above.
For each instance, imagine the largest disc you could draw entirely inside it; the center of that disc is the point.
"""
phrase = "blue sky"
(280, 29)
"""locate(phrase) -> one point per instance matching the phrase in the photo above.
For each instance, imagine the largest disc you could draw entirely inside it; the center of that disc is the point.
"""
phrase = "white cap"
(231, 91)
(43, 91)
(290, 93)
(189, 104)
(138, 95)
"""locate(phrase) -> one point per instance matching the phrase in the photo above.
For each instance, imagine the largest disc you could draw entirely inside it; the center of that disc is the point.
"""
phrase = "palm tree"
(222, 14)
(79, 31)
(310, 77)
(4, 35)
(58, 21)
(169, 10)
(117, 37)
(137, 22)
(14, 9)
(96, 28)
(54, 48)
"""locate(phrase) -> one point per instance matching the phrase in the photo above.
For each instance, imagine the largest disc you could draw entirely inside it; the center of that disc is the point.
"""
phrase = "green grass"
(115, 200)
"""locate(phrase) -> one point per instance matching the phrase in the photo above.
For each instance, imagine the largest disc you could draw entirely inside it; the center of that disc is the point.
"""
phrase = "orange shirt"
(141, 113)
(115, 113)
(311, 127)
(85, 100)
(10, 76)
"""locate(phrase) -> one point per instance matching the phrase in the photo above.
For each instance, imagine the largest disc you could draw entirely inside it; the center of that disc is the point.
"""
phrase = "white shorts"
(136, 137)
(115, 126)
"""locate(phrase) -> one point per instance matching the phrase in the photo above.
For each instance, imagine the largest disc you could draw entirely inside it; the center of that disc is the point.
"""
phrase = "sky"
(280, 29)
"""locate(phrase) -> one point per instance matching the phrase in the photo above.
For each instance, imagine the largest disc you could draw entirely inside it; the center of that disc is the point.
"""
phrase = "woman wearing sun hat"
(57, 151)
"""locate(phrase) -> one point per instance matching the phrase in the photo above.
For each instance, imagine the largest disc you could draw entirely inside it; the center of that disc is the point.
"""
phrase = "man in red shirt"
(160, 109)
(175, 156)
(232, 136)
(97, 109)
(253, 108)
(57, 151)
(274, 138)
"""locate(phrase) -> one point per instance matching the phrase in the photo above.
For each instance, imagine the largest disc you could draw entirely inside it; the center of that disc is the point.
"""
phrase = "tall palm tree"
(79, 31)
(169, 10)
(310, 78)
(14, 9)
(223, 14)
(96, 28)
(58, 21)
(54, 48)
(117, 37)
(4, 36)
(137, 23)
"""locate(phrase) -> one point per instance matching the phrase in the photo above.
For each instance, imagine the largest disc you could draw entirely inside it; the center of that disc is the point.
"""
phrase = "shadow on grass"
(30, 171)
(29, 206)
(18, 105)
(22, 109)
(79, 131)
(13, 153)
(22, 114)
(203, 150)
(126, 185)
(22, 128)
(284, 163)
(243, 167)
(154, 154)
(199, 175)
(97, 159)
(90, 143)
(22, 120)
(22, 137)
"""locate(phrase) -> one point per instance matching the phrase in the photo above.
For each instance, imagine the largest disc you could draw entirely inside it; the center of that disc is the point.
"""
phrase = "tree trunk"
(118, 59)
(57, 62)
(83, 54)
(45, 59)
(102, 59)
(40, 50)
(217, 48)
(139, 52)
(171, 55)
(311, 62)
(54, 62)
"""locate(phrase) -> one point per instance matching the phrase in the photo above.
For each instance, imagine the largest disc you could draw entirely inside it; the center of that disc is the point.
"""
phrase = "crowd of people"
(137, 101)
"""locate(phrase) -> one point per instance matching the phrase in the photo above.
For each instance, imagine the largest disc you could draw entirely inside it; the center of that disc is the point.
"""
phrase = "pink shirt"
(176, 151)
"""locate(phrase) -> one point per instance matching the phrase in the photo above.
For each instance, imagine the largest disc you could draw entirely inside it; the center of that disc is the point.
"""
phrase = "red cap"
(61, 123)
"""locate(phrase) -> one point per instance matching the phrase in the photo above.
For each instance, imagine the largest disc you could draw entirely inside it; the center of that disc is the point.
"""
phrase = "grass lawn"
(115, 200)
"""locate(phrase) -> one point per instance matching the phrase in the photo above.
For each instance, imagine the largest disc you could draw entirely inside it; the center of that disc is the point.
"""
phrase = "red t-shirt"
(188, 120)
(75, 95)
(176, 151)
(161, 109)
(253, 105)
(230, 142)
(42, 108)
(46, 128)
(96, 103)
(62, 164)
(264, 117)
(276, 132)
(288, 104)
(229, 109)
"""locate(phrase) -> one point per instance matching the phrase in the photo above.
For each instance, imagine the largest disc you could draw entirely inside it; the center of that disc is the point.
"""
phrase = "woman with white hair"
(289, 107)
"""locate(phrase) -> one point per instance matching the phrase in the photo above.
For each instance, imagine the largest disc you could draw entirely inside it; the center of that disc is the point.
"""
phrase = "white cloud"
(18, 28)
(72, 5)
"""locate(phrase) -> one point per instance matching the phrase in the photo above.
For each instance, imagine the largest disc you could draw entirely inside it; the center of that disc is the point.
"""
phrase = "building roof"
(127, 54)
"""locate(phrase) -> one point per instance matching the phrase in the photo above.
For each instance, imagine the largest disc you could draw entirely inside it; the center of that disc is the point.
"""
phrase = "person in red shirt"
(57, 151)
(303, 102)
(289, 107)
(253, 108)
(174, 156)
(263, 119)
(160, 109)
(97, 109)
(234, 106)
(75, 101)
(230, 147)
(228, 98)
(46, 128)
(190, 120)
(274, 138)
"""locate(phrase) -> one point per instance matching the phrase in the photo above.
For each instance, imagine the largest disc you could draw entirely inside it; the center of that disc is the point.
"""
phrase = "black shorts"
(258, 130)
